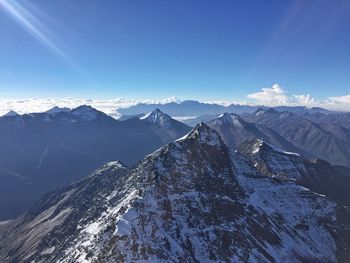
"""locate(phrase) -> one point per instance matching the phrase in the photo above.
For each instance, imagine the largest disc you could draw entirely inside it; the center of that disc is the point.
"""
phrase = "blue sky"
(204, 50)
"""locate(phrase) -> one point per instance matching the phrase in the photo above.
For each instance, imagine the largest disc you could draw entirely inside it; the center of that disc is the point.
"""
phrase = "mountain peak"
(11, 113)
(231, 119)
(56, 110)
(156, 116)
(227, 115)
(204, 135)
(86, 112)
(84, 107)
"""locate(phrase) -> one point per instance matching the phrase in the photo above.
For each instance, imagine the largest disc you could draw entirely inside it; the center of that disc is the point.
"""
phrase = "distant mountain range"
(313, 135)
(42, 151)
(325, 137)
(191, 108)
(193, 200)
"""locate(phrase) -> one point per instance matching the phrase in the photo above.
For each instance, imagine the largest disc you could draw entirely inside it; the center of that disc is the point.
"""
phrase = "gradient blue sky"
(190, 49)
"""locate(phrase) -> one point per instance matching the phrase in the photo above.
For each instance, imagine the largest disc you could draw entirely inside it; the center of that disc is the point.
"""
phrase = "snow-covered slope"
(193, 200)
(272, 161)
(164, 126)
(317, 175)
(235, 131)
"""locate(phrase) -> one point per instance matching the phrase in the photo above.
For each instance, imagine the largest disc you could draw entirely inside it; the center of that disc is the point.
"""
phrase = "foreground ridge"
(193, 200)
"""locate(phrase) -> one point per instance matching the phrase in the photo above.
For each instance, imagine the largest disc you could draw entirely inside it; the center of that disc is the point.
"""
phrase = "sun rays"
(34, 27)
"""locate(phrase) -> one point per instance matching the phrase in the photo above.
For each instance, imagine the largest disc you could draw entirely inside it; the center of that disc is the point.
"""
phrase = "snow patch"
(203, 134)
(260, 143)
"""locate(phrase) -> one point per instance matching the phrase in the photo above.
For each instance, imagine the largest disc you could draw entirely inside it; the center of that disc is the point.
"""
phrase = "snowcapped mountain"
(317, 175)
(187, 108)
(42, 151)
(192, 200)
(234, 131)
(194, 108)
(164, 126)
(156, 116)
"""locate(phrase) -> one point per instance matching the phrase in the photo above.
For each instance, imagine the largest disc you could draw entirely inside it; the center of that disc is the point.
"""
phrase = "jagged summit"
(271, 161)
(231, 119)
(11, 113)
(57, 109)
(86, 112)
(83, 107)
(204, 135)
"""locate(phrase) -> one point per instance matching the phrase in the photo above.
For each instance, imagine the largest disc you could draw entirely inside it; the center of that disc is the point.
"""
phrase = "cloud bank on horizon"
(273, 96)
(108, 106)
(277, 96)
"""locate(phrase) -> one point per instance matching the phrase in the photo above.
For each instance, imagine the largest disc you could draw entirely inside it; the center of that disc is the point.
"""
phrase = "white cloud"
(219, 102)
(270, 96)
(108, 106)
(339, 103)
(274, 96)
(341, 99)
(305, 100)
(277, 95)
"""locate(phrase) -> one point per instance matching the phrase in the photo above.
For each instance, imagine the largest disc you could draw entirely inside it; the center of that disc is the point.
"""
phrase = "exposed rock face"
(317, 175)
(234, 131)
(193, 200)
